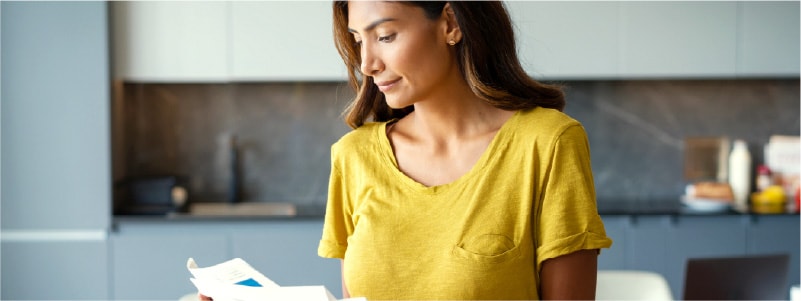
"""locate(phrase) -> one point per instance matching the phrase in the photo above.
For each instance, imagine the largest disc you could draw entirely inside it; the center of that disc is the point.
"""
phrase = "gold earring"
(451, 42)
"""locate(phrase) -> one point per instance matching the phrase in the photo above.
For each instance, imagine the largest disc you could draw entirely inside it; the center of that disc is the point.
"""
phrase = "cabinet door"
(702, 236)
(286, 252)
(647, 248)
(567, 40)
(54, 270)
(177, 41)
(614, 258)
(55, 116)
(775, 235)
(768, 40)
(283, 41)
(152, 266)
(678, 39)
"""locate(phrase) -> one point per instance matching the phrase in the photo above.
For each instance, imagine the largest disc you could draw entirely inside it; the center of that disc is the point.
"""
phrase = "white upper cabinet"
(768, 39)
(652, 39)
(284, 41)
(223, 41)
(677, 39)
(174, 41)
(567, 39)
(226, 41)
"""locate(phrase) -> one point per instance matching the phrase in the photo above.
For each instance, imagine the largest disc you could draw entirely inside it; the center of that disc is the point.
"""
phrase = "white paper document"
(236, 280)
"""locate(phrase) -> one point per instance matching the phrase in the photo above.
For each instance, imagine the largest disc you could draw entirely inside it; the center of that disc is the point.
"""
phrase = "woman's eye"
(357, 44)
(387, 39)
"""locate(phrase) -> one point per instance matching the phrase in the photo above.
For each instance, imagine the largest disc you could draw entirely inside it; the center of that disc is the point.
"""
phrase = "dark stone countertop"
(313, 211)
(317, 211)
(664, 207)
(650, 207)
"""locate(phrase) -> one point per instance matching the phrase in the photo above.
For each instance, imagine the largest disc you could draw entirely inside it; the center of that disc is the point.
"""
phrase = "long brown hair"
(487, 58)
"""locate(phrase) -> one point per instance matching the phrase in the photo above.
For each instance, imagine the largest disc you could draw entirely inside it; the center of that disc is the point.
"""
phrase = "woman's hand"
(202, 297)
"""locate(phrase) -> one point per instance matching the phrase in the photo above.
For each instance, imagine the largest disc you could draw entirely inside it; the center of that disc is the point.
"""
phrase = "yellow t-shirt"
(530, 197)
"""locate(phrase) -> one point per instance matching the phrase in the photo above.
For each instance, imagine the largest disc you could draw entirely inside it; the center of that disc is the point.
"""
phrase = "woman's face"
(405, 53)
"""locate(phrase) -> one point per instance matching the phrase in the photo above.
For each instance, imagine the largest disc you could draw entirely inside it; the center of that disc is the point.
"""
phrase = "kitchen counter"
(617, 207)
(317, 211)
(248, 213)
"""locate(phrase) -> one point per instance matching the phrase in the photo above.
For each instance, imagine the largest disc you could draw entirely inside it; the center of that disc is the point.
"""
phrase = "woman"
(462, 179)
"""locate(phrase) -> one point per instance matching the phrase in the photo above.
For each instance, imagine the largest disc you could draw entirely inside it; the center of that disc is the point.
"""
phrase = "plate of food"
(706, 204)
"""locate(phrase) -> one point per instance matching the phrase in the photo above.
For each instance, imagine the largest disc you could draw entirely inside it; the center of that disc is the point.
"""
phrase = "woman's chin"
(397, 105)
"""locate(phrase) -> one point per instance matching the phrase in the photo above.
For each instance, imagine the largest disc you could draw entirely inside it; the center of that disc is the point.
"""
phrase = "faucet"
(234, 194)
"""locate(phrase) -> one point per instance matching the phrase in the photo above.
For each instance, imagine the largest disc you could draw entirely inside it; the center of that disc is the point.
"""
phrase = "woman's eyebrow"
(372, 25)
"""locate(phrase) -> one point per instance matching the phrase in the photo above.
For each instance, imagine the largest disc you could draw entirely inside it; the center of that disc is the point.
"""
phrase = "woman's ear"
(453, 34)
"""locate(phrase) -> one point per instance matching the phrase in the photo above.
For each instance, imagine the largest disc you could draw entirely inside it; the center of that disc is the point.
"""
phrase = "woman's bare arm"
(570, 277)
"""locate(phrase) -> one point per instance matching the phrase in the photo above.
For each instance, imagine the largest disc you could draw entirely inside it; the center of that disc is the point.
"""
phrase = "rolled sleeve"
(569, 219)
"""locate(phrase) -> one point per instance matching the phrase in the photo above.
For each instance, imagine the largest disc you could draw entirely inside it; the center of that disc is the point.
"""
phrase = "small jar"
(763, 178)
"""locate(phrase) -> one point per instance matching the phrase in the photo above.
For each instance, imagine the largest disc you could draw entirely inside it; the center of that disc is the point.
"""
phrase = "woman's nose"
(371, 64)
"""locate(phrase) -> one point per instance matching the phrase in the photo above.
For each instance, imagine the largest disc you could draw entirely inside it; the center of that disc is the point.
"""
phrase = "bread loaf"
(713, 190)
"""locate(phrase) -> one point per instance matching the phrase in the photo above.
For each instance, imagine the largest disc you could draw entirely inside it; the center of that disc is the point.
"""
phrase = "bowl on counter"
(705, 205)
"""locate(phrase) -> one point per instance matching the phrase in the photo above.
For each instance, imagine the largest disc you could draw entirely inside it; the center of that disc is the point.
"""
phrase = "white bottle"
(740, 174)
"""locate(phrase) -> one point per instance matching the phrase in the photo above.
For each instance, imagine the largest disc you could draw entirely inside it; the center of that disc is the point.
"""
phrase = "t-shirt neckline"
(501, 139)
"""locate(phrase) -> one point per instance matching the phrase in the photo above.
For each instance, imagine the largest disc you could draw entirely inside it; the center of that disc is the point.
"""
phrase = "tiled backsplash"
(636, 131)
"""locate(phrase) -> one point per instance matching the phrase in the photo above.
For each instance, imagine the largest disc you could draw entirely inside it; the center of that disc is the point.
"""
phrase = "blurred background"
(138, 134)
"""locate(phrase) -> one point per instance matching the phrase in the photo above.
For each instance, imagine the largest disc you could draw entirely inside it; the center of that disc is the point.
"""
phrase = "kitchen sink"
(243, 209)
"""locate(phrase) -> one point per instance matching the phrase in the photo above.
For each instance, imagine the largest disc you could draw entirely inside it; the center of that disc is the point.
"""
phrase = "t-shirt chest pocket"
(487, 248)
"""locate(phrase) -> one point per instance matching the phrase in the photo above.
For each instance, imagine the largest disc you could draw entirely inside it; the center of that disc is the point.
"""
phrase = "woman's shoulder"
(359, 137)
(545, 120)
(547, 128)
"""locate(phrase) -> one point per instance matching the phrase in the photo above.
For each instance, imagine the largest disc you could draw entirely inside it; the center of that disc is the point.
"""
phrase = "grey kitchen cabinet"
(54, 270)
(664, 243)
(648, 249)
(286, 249)
(149, 263)
(55, 150)
(776, 235)
(615, 256)
(283, 250)
(287, 253)
(701, 236)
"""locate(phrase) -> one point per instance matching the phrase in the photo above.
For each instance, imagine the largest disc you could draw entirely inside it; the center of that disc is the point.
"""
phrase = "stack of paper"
(236, 280)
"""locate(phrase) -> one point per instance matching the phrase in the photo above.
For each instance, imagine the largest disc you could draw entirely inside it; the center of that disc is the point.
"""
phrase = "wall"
(636, 131)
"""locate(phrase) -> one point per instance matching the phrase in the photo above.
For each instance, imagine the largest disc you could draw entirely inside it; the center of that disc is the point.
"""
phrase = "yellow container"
(769, 201)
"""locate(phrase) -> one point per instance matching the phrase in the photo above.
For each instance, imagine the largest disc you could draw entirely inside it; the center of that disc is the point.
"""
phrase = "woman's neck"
(454, 112)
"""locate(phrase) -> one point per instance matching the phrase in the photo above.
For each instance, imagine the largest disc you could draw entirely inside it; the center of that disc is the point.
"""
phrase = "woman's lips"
(386, 85)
